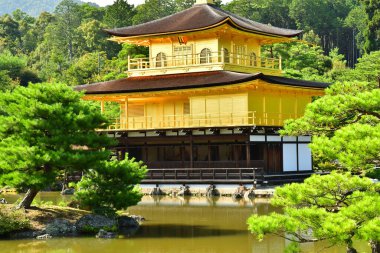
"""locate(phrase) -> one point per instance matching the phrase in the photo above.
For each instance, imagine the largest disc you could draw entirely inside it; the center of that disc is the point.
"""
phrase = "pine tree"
(46, 129)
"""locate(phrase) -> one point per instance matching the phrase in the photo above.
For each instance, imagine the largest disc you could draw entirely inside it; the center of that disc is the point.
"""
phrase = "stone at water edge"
(211, 191)
(60, 227)
(129, 221)
(184, 191)
(68, 191)
(105, 235)
(91, 223)
(44, 237)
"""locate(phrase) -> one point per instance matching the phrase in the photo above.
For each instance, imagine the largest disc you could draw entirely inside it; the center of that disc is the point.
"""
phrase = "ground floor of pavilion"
(217, 155)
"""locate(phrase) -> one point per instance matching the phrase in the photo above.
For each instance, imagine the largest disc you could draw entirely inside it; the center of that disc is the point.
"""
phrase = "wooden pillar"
(146, 156)
(129, 62)
(248, 153)
(126, 113)
(209, 153)
(234, 146)
(191, 151)
(183, 154)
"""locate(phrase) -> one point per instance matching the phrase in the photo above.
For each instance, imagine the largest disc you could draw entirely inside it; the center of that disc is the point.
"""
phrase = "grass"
(38, 217)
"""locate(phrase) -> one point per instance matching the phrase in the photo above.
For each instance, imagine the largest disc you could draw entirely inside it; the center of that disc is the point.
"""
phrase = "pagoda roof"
(197, 18)
(188, 81)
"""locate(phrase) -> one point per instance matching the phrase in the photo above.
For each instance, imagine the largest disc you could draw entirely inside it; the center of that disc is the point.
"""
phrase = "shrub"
(12, 220)
(111, 187)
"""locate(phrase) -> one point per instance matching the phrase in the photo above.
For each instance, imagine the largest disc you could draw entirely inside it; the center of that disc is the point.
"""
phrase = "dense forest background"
(68, 44)
(31, 7)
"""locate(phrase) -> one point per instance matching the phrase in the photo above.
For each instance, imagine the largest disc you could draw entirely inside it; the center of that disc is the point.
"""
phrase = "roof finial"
(204, 2)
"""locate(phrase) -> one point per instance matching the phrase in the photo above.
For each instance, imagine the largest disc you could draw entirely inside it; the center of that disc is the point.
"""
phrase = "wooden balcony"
(203, 62)
(199, 121)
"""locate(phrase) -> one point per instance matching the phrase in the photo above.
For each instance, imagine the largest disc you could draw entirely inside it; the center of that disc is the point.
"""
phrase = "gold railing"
(200, 120)
(204, 59)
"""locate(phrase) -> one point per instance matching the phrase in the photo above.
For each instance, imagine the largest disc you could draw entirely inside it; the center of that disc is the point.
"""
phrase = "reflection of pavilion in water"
(197, 224)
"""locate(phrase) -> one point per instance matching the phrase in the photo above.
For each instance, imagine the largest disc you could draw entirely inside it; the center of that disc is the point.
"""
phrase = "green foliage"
(86, 69)
(32, 7)
(9, 34)
(372, 31)
(111, 186)
(345, 125)
(41, 203)
(13, 71)
(368, 68)
(44, 129)
(11, 220)
(375, 174)
(6, 83)
(119, 14)
(274, 12)
(116, 67)
(153, 9)
(12, 64)
(335, 207)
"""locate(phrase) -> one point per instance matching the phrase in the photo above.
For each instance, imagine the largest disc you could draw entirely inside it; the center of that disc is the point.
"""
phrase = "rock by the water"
(184, 191)
(105, 235)
(239, 193)
(44, 237)
(156, 191)
(68, 191)
(211, 191)
(128, 225)
(3, 201)
(92, 223)
(26, 234)
(127, 222)
(250, 194)
(138, 218)
(60, 227)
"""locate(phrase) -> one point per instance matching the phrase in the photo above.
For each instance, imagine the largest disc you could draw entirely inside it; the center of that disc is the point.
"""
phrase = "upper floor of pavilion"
(202, 38)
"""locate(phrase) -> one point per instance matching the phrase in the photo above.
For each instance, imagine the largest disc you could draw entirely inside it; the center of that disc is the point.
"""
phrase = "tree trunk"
(28, 199)
(375, 246)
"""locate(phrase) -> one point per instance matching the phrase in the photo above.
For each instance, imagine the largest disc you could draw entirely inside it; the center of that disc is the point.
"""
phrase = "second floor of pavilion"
(201, 100)
(202, 38)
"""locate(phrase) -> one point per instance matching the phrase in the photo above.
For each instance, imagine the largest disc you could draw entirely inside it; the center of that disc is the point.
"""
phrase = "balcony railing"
(201, 59)
(200, 120)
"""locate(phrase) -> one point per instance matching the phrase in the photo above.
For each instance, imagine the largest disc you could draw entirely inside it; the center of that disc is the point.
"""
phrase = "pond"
(177, 225)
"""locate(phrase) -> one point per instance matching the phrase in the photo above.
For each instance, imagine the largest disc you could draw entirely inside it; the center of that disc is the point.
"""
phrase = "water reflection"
(178, 225)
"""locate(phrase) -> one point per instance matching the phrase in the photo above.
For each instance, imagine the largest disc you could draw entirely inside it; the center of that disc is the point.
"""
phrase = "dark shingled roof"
(199, 17)
(187, 81)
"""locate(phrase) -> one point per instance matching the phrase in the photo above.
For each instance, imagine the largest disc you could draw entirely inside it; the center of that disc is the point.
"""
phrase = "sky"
(134, 2)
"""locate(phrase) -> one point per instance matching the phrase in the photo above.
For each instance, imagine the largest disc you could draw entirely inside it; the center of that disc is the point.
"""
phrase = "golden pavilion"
(205, 106)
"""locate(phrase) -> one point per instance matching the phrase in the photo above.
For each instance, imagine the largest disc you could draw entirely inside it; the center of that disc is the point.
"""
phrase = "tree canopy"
(44, 130)
(345, 122)
(335, 207)
(53, 43)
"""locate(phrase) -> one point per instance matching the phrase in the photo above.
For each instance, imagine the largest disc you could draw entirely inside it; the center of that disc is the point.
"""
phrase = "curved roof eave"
(198, 18)
(225, 21)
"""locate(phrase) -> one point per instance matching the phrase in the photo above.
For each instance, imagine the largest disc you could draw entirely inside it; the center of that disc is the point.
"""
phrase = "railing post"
(280, 63)
(129, 62)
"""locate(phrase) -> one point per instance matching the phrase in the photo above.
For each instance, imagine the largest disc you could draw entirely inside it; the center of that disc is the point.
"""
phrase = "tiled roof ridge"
(216, 16)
